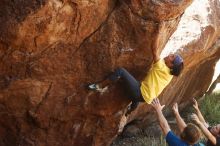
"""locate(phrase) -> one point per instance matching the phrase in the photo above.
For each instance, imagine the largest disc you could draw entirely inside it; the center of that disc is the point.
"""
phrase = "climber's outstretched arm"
(155, 45)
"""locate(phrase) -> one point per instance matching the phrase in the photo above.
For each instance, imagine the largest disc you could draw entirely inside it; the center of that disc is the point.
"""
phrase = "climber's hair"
(190, 134)
(177, 69)
(177, 65)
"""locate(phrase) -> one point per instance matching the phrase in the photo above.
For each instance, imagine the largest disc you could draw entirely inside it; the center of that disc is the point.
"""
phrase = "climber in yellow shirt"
(158, 77)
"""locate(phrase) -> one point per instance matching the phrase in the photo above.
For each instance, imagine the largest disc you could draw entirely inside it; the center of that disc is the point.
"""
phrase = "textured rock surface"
(197, 39)
(51, 49)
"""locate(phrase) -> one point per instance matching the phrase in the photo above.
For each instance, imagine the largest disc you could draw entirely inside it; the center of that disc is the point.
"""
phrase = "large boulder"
(51, 49)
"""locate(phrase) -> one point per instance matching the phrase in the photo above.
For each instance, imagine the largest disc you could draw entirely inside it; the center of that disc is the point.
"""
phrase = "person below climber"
(158, 77)
(189, 133)
(211, 133)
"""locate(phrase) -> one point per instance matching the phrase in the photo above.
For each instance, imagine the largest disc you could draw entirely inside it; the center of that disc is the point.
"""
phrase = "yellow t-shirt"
(156, 80)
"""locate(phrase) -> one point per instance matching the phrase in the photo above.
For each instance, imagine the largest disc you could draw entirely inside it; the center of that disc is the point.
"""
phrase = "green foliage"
(162, 141)
(210, 108)
(142, 141)
(153, 141)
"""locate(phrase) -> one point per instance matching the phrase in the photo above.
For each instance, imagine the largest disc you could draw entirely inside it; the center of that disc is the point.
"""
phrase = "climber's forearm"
(154, 47)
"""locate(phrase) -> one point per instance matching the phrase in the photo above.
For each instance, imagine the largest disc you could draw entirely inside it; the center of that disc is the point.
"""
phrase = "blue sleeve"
(172, 139)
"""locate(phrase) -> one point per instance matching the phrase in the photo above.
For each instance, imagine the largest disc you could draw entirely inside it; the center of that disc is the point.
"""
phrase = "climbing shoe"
(96, 87)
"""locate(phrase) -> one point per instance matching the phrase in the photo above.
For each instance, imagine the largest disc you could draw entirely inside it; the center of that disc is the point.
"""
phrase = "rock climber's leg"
(132, 86)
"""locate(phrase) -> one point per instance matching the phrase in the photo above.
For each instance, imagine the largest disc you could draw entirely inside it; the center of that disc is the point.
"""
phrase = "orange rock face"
(51, 49)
